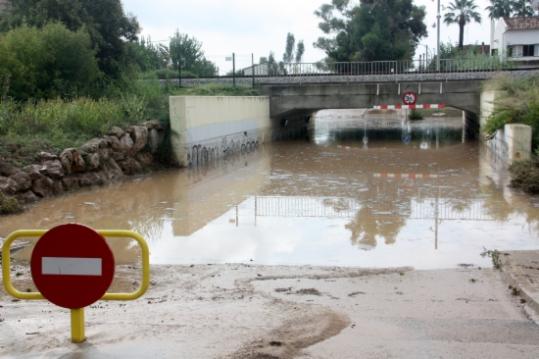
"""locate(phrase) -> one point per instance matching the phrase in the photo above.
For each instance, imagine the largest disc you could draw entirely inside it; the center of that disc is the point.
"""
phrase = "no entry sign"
(72, 266)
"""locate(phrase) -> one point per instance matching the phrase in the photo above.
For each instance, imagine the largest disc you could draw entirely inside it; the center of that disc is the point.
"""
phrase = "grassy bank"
(519, 104)
(214, 90)
(27, 128)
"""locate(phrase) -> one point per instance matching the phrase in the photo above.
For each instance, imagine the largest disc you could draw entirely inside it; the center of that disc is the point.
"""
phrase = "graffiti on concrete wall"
(222, 148)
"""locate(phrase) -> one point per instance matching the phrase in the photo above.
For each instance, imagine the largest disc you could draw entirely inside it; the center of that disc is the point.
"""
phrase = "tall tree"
(499, 9)
(366, 32)
(105, 20)
(48, 62)
(288, 55)
(186, 51)
(147, 55)
(300, 51)
(522, 8)
(462, 12)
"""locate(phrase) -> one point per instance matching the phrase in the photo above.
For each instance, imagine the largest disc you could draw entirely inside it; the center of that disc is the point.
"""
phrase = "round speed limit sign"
(409, 98)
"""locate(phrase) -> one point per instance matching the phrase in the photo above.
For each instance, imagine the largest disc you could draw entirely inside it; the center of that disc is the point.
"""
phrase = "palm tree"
(499, 9)
(462, 12)
(523, 8)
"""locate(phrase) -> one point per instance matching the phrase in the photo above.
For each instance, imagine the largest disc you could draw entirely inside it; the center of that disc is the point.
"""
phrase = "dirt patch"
(289, 339)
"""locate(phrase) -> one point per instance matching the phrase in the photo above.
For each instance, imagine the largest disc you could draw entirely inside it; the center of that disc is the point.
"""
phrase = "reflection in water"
(367, 191)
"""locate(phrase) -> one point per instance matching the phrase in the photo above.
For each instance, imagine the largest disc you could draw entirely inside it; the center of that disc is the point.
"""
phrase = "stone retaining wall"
(99, 161)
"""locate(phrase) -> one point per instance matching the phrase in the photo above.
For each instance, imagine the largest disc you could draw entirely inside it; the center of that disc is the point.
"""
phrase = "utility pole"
(439, 16)
(180, 71)
(234, 69)
(253, 68)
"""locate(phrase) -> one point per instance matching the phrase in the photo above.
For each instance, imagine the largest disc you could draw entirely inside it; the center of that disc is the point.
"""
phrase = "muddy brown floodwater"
(361, 190)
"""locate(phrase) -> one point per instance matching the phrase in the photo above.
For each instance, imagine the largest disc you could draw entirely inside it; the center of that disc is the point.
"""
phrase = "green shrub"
(68, 123)
(48, 62)
(498, 120)
(215, 90)
(9, 205)
(165, 74)
(415, 115)
(525, 175)
(519, 104)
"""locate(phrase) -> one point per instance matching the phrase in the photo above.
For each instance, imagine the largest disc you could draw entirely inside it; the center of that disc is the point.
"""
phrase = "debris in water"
(283, 290)
(309, 291)
(355, 294)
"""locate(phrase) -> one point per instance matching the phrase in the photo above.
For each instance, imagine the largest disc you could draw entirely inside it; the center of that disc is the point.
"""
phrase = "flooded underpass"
(362, 190)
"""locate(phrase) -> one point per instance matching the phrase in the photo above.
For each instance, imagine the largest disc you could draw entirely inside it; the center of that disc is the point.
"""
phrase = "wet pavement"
(522, 272)
(372, 191)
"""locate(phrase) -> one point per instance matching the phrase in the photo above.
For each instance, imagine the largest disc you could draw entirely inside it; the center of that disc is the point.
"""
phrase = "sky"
(257, 27)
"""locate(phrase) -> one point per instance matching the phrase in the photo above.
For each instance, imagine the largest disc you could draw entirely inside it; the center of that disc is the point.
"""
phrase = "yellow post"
(77, 326)
(77, 315)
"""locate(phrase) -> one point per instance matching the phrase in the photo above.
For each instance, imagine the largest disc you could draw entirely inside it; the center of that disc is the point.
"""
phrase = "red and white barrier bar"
(427, 106)
(405, 175)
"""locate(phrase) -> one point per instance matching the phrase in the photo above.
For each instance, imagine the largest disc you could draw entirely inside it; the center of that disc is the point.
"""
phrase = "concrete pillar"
(488, 99)
(518, 138)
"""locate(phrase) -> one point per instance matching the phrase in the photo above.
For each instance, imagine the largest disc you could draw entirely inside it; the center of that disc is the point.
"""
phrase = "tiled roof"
(522, 23)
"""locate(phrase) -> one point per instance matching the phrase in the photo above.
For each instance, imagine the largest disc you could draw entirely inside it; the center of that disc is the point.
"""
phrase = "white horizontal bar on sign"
(91, 267)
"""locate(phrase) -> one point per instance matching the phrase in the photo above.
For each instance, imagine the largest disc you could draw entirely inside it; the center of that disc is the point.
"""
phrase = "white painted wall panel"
(215, 124)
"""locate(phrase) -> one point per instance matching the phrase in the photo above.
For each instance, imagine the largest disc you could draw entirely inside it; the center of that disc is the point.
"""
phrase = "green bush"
(468, 59)
(497, 121)
(519, 104)
(415, 115)
(525, 175)
(167, 74)
(61, 123)
(9, 205)
(46, 63)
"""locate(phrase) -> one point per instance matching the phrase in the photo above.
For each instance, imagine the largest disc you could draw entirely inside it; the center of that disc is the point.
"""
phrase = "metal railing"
(334, 207)
(377, 67)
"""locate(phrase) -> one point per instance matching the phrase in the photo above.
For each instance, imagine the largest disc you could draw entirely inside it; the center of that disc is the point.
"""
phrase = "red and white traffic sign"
(426, 106)
(72, 266)
(409, 98)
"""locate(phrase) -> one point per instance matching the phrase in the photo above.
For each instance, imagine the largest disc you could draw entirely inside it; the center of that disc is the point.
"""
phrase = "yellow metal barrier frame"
(6, 264)
(77, 315)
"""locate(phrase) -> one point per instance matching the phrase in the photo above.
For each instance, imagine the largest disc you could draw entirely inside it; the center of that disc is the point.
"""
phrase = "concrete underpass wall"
(513, 142)
(206, 128)
(464, 95)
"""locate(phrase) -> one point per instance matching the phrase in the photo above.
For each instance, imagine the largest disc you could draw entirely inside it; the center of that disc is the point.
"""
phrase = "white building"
(517, 39)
